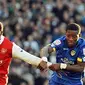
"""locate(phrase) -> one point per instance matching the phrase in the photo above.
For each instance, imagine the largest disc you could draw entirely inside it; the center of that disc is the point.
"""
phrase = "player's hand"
(54, 67)
(43, 65)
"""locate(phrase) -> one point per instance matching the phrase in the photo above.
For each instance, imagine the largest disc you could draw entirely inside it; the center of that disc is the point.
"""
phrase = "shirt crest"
(73, 52)
(3, 51)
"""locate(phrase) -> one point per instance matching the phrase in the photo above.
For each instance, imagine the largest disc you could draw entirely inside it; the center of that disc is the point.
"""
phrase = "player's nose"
(70, 39)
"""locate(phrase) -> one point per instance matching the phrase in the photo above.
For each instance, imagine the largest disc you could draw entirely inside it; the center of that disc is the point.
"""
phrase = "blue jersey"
(64, 54)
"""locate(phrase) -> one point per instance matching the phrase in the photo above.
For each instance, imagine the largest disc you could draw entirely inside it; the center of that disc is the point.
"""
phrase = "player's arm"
(76, 68)
(17, 52)
(79, 67)
(63, 66)
(45, 51)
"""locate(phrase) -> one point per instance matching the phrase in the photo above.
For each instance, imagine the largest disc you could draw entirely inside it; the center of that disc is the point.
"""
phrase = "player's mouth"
(70, 43)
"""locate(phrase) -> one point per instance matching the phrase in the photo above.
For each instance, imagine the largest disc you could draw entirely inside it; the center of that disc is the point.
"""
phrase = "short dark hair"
(74, 26)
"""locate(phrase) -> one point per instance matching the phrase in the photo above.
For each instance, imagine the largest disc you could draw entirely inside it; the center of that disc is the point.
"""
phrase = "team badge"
(3, 50)
(73, 52)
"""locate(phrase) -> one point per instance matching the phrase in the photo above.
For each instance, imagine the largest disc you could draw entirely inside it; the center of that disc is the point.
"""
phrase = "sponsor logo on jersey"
(65, 48)
(66, 60)
(73, 52)
(57, 42)
(3, 50)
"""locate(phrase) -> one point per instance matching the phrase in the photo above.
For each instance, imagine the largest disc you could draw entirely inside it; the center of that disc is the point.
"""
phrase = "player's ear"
(79, 35)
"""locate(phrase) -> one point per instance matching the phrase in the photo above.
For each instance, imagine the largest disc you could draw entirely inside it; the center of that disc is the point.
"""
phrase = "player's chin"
(70, 44)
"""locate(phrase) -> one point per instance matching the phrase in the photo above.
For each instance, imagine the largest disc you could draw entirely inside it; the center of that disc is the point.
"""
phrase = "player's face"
(71, 37)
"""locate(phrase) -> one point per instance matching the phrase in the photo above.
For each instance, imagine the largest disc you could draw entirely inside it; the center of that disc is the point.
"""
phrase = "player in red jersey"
(9, 50)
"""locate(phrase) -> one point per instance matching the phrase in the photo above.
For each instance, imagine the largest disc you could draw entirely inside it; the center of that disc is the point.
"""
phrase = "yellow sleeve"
(54, 49)
(79, 60)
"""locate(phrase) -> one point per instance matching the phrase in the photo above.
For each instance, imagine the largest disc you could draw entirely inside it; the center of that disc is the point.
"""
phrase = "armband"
(54, 49)
(63, 66)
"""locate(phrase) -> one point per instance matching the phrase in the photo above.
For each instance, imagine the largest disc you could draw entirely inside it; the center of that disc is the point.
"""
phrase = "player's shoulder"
(59, 41)
(7, 40)
(62, 38)
(81, 41)
(81, 44)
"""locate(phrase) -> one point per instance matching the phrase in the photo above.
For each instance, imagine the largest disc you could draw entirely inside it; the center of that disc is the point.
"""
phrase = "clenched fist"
(54, 67)
(43, 65)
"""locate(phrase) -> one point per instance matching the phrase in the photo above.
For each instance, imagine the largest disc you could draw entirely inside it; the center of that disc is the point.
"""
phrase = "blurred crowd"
(32, 24)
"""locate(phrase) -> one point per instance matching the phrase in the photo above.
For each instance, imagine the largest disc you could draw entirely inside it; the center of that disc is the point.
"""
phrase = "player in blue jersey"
(70, 57)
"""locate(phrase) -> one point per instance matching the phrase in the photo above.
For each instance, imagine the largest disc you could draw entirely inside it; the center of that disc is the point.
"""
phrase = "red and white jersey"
(8, 50)
(5, 59)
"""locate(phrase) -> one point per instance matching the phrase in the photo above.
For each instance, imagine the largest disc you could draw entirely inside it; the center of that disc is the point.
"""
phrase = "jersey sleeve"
(81, 57)
(17, 52)
(56, 44)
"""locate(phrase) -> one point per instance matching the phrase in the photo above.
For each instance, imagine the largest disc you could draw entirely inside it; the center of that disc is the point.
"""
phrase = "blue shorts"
(70, 83)
(59, 81)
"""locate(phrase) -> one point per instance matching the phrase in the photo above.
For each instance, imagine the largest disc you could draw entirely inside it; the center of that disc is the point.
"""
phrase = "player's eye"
(73, 36)
(68, 35)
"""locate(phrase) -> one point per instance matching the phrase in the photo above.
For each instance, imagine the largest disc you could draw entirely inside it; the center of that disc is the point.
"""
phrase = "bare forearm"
(75, 68)
(62, 66)
(45, 51)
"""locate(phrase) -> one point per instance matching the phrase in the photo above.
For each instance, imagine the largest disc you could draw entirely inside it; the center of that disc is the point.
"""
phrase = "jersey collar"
(1, 39)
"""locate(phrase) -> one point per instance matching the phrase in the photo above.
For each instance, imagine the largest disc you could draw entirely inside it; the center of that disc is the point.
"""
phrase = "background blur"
(32, 24)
